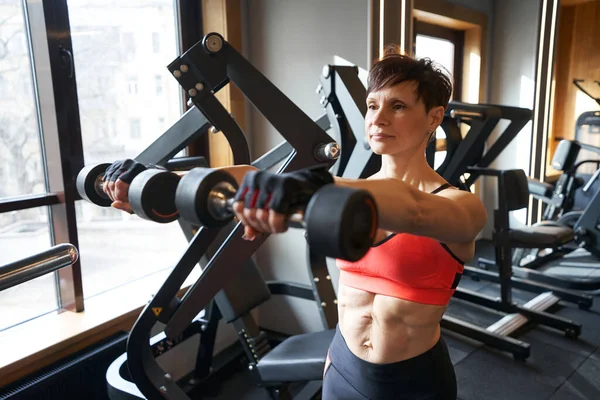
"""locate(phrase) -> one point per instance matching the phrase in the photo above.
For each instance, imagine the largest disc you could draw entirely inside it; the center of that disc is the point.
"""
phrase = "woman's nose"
(379, 117)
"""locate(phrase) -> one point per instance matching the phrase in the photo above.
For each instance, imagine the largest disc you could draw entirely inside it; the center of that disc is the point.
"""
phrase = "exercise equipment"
(505, 239)
(468, 164)
(229, 277)
(560, 219)
(340, 222)
(191, 126)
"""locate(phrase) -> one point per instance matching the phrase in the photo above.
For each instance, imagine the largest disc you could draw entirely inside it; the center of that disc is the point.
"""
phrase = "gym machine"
(343, 98)
(475, 163)
(559, 222)
(229, 277)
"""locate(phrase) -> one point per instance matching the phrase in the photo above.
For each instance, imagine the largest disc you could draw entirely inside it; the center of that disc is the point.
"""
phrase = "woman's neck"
(411, 168)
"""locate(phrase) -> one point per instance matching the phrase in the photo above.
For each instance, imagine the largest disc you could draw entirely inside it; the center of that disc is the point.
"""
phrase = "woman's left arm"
(456, 217)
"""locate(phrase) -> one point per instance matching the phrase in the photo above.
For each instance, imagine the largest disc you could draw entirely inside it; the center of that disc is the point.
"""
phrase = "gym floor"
(558, 368)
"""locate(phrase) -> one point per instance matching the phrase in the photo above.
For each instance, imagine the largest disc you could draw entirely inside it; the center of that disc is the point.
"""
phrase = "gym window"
(445, 46)
(90, 105)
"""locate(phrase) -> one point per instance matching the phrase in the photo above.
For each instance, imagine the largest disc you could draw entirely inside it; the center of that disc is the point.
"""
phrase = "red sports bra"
(406, 266)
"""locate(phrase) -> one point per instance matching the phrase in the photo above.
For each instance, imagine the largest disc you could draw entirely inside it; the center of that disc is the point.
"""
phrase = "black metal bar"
(291, 289)
(351, 94)
(478, 298)
(534, 280)
(324, 294)
(504, 262)
(189, 127)
(186, 163)
(526, 279)
(518, 348)
(554, 321)
(207, 341)
(274, 156)
(586, 229)
(222, 120)
(39, 264)
(22, 202)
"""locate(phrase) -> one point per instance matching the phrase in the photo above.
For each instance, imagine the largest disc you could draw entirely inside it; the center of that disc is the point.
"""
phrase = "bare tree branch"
(5, 20)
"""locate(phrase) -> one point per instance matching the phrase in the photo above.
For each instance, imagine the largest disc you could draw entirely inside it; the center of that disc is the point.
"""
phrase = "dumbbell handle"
(99, 186)
(221, 199)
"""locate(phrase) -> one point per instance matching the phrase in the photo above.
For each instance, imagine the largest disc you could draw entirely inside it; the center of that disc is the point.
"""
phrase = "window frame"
(50, 48)
(457, 38)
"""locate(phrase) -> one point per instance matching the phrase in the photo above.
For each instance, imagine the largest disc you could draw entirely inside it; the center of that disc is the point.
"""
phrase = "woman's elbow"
(478, 220)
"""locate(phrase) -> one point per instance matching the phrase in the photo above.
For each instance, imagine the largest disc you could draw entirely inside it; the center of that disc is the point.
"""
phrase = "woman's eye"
(372, 107)
(398, 106)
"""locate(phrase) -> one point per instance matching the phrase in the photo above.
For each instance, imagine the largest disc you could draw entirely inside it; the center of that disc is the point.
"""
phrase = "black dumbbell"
(151, 193)
(89, 184)
(340, 222)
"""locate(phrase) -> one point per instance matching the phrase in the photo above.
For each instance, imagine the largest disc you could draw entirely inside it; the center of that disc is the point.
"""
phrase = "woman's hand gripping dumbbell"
(145, 190)
(340, 222)
(133, 187)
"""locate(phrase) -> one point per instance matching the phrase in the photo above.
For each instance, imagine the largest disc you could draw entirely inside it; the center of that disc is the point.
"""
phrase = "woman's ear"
(435, 117)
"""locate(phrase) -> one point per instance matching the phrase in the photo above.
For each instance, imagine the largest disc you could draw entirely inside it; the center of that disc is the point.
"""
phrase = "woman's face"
(396, 121)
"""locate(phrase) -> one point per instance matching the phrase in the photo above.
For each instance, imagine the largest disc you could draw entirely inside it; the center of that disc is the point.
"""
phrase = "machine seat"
(297, 358)
(541, 236)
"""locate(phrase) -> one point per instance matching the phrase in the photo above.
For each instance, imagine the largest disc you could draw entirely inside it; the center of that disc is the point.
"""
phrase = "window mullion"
(61, 135)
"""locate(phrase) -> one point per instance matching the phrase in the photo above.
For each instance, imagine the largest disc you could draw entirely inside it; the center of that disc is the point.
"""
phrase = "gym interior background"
(86, 81)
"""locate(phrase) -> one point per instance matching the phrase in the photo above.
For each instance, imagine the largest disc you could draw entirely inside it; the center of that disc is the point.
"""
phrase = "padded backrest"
(514, 188)
(565, 155)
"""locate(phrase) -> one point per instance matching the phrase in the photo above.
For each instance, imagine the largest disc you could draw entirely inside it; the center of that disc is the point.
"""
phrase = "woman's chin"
(380, 148)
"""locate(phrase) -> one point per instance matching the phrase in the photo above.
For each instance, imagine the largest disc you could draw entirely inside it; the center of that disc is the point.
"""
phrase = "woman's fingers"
(121, 191)
(122, 205)
(258, 221)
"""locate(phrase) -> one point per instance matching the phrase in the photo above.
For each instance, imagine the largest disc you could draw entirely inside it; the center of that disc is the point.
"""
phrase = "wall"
(513, 56)
(290, 42)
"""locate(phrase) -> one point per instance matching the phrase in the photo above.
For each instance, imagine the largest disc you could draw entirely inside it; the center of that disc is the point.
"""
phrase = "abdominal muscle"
(382, 329)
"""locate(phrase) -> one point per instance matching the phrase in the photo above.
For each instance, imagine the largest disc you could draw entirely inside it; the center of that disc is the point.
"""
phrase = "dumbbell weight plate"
(192, 197)
(89, 184)
(341, 222)
(152, 195)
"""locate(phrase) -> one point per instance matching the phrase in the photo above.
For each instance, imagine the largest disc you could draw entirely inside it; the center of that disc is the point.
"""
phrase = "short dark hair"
(434, 86)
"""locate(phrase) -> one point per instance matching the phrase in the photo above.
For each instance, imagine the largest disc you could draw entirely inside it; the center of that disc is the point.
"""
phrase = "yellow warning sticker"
(156, 310)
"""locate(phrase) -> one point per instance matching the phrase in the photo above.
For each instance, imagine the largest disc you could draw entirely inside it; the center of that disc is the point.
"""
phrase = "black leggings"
(429, 376)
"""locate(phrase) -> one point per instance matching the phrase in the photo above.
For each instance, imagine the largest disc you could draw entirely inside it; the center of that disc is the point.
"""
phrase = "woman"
(390, 303)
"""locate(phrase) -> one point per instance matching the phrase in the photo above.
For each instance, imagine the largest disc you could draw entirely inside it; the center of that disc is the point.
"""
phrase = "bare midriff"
(382, 329)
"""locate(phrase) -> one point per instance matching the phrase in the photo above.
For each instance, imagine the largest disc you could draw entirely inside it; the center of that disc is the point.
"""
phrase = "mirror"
(576, 78)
